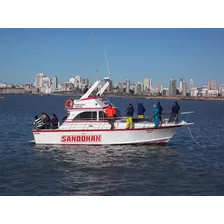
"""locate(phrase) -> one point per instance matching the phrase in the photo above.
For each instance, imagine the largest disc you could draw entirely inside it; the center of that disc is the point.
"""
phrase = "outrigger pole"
(86, 95)
(101, 91)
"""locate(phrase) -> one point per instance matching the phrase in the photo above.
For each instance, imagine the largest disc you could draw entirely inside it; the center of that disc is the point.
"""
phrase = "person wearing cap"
(129, 113)
(110, 112)
(174, 113)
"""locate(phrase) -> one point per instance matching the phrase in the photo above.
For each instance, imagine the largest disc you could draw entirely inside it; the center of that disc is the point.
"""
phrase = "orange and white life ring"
(69, 104)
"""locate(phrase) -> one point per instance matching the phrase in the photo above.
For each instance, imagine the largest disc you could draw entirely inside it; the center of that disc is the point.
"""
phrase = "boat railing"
(165, 118)
(170, 118)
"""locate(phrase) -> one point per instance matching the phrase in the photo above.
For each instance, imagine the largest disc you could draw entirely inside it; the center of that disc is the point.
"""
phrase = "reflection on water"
(106, 169)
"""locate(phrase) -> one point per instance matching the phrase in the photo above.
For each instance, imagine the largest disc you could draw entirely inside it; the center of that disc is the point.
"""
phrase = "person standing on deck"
(129, 112)
(160, 111)
(156, 115)
(174, 114)
(110, 112)
(141, 111)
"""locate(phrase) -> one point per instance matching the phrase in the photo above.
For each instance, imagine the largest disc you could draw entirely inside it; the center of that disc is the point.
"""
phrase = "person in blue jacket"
(141, 111)
(156, 115)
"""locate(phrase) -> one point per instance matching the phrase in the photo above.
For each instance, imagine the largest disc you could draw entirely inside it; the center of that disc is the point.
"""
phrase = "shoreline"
(124, 96)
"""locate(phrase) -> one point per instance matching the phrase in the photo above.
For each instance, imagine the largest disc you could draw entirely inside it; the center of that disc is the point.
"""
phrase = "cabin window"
(102, 115)
(91, 115)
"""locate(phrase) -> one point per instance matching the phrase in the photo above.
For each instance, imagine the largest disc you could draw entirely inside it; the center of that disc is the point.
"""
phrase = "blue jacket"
(130, 111)
(155, 111)
(141, 109)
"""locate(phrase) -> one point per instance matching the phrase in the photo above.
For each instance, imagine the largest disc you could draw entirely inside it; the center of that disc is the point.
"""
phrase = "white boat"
(87, 124)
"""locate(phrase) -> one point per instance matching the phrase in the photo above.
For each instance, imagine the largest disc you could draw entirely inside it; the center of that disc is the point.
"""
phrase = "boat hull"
(105, 137)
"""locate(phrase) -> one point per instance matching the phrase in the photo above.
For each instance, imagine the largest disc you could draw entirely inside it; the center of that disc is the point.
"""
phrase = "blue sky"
(161, 54)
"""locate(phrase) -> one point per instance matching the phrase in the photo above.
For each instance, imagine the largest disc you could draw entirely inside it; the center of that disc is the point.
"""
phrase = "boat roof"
(90, 101)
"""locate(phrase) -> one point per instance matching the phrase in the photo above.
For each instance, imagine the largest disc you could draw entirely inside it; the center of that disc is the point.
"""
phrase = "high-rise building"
(147, 84)
(181, 84)
(139, 87)
(72, 80)
(161, 90)
(85, 81)
(159, 87)
(54, 83)
(184, 89)
(127, 86)
(110, 87)
(46, 82)
(39, 80)
(212, 85)
(78, 80)
(191, 84)
(173, 87)
(221, 90)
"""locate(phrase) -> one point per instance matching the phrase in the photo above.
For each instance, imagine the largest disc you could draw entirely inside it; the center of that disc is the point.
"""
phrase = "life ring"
(69, 104)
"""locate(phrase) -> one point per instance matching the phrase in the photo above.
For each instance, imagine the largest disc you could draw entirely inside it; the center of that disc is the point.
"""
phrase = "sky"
(135, 53)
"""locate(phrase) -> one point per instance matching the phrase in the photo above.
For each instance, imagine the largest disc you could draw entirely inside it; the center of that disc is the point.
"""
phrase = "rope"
(193, 137)
(203, 146)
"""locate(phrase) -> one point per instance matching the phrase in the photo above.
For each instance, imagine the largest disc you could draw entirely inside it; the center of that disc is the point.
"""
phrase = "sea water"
(183, 167)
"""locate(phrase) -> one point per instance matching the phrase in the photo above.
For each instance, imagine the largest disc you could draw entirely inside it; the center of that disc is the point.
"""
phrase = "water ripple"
(183, 167)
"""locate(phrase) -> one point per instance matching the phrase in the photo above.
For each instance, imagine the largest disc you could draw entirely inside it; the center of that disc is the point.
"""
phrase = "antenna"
(107, 63)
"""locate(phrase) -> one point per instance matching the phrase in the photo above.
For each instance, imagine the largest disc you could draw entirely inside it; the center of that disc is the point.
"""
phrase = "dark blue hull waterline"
(182, 167)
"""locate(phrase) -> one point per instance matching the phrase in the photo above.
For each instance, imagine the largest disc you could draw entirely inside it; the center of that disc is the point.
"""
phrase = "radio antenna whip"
(107, 63)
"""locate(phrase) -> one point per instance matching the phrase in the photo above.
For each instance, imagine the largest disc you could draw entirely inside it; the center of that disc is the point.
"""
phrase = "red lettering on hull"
(81, 138)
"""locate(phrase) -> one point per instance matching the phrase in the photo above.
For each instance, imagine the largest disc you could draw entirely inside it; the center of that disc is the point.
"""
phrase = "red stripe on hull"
(103, 130)
(159, 142)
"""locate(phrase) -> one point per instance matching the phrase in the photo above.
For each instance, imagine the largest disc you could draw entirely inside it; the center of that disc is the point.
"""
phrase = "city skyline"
(146, 82)
(161, 54)
(49, 85)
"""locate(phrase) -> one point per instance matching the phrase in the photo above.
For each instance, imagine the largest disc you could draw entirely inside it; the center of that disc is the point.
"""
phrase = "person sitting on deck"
(129, 112)
(38, 122)
(54, 121)
(110, 112)
(46, 120)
